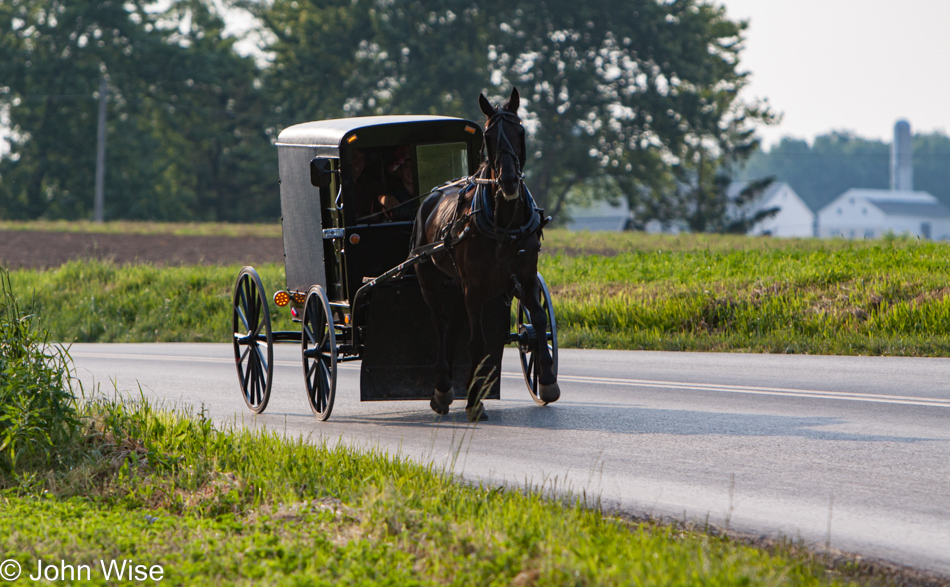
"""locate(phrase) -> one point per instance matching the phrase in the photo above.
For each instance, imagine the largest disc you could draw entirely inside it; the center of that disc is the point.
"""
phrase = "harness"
(482, 211)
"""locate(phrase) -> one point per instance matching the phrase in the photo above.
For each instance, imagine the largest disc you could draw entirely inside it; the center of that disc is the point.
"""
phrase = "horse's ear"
(513, 102)
(485, 105)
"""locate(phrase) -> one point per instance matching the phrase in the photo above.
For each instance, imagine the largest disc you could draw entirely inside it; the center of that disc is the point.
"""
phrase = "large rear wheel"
(319, 353)
(529, 340)
(253, 340)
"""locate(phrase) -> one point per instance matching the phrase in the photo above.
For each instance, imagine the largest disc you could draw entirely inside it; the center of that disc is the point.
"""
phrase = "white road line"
(711, 387)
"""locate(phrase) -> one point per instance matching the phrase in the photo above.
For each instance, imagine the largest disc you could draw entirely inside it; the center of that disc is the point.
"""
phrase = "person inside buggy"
(384, 184)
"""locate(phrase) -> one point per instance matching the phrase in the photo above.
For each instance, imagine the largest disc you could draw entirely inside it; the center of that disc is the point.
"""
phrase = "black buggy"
(349, 189)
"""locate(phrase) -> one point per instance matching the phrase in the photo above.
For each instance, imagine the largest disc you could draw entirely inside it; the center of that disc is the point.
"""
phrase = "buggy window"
(441, 163)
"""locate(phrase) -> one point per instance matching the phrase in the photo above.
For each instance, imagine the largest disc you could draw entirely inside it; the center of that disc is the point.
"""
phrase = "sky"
(856, 65)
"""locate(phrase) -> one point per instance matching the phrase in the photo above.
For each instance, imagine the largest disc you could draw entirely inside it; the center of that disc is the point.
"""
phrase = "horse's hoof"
(441, 400)
(549, 393)
(476, 413)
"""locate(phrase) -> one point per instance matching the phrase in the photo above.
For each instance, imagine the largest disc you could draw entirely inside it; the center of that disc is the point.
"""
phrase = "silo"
(902, 158)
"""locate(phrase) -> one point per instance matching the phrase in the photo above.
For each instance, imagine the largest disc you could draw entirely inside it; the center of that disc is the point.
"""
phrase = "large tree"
(616, 90)
(185, 135)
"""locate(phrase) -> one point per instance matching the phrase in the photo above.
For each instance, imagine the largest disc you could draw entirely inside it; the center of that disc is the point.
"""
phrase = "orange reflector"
(354, 239)
(351, 139)
(346, 319)
(299, 297)
(470, 130)
(281, 298)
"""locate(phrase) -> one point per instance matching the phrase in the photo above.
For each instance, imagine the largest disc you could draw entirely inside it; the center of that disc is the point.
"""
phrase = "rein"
(504, 147)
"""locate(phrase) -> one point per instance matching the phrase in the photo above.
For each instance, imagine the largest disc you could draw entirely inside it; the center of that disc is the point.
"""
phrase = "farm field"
(618, 291)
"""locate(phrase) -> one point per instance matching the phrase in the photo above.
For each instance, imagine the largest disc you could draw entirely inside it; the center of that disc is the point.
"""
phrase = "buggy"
(349, 189)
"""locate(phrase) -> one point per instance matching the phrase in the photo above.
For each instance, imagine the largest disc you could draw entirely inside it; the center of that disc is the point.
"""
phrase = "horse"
(492, 230)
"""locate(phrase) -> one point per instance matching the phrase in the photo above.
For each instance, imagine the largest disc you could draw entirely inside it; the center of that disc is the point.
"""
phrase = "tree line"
(838, 161)
(638, 99)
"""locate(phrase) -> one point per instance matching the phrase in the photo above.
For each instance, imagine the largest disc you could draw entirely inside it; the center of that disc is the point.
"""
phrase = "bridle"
(504, 147)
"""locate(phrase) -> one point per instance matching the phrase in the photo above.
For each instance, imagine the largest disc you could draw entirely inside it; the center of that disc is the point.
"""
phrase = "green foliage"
(614, 94)
(186, 134)
(230, 506)
(37, 408)
(609, 89)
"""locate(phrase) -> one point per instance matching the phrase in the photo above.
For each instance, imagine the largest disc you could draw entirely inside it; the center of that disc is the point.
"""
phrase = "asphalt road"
(848, 451)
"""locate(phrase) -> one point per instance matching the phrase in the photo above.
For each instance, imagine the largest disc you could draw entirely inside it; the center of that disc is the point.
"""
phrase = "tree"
(611, 89)
(185, 137)
(823, 171)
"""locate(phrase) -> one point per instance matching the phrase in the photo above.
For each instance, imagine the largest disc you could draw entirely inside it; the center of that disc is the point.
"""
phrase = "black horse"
(493, 229)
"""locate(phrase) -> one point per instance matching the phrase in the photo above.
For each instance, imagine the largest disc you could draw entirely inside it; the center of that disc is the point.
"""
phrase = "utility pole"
(101, 151)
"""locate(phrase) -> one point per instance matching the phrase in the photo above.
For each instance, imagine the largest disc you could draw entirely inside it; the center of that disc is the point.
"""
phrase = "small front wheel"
(253, 340)
(529, 341)
(319, 353)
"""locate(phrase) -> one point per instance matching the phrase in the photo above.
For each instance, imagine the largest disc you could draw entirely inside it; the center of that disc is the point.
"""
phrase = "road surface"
(848, 451)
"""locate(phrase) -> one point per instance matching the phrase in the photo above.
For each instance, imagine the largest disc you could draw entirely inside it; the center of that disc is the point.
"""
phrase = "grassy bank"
(628, 291)
(885, 297)
(234, 506)
(103, 302)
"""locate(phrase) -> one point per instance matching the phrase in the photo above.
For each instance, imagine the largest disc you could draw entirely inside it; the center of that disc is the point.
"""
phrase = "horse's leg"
(430, 282)
(548, 389)
(479, 376)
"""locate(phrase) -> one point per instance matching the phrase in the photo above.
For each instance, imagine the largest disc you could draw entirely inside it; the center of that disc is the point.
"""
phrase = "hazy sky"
(855, 65)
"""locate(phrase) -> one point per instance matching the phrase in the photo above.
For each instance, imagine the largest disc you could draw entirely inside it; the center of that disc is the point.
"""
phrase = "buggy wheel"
(529, 339)
(319, 353)
(253, 340)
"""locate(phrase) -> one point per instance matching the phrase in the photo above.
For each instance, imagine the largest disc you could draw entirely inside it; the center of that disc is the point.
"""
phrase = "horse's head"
(505, 142)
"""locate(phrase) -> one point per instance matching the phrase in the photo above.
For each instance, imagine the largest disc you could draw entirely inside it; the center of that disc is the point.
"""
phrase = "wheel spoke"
(246, 383)
(308, 331)
(242, 305)
(260, 357)
(252, 382)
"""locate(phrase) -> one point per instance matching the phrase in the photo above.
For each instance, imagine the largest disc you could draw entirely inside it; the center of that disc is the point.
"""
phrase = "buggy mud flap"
(399, 343)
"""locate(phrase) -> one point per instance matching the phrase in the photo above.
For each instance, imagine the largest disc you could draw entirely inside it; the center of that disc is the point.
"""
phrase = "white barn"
(793, 219)
(864, 213)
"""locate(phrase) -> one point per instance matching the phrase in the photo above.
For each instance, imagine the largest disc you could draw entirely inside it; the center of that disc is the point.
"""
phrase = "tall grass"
(880, 298)
(37, 407)
(103, 302)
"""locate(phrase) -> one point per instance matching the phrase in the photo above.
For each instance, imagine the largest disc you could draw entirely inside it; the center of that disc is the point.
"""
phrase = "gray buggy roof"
(331, 133)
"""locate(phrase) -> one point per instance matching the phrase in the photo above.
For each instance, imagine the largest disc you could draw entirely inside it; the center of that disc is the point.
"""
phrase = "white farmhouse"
(864, 213)
(793, 219)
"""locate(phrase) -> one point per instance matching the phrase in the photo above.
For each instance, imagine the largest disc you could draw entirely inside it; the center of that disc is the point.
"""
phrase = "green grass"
(627, 291)
(233, 506)
(104, 302)
(37, 407)
(881, 298)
